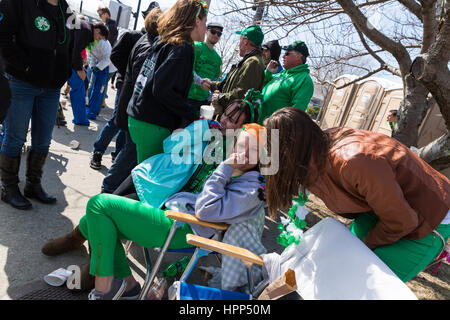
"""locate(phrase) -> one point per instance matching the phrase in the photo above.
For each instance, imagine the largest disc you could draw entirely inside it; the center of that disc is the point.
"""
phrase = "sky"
(216, 14)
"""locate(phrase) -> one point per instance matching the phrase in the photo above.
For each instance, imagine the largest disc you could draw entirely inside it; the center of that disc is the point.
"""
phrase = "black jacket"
(5, 94)
(121, 53)
(136, 59)
(112, 31)
(36, 42)
(82, 36)
(160, 97)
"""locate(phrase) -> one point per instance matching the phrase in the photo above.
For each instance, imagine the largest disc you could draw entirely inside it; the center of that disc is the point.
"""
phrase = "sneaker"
(117, 289)
(133, 293)
(96, 160)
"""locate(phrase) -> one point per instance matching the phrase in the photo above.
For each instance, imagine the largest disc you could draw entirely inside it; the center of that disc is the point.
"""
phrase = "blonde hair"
(151, 21)
(176, 24)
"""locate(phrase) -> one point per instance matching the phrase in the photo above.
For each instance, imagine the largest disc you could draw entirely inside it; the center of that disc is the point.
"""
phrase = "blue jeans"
(105, 91)
(125, 161)
(29, 102)
(96, 96)
(109, 131)
(78, 99)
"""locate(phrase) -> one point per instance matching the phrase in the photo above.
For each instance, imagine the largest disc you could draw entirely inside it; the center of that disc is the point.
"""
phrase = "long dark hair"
(301, 143)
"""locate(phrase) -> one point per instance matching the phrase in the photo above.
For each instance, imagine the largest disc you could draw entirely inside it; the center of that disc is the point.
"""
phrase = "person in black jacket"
(36, 45)
(159, 101)
(123, 54)
(105, 16)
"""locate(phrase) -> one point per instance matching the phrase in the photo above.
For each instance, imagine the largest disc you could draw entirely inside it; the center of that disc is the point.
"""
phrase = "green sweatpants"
(406, 257)
(111, 218)
(147, 137)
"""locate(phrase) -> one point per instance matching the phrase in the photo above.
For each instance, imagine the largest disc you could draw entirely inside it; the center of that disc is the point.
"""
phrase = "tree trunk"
(411, 111)
(437, 153)
(259, 7)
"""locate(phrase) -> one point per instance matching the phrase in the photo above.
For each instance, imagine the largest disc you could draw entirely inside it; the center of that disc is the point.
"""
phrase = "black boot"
(11, 194)
(33, 187)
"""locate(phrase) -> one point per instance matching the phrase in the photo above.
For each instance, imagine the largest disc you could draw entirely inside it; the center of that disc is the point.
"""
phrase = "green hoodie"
(289, 88)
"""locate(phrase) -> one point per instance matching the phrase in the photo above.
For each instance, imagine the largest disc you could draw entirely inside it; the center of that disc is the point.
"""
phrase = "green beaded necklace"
(291, 229)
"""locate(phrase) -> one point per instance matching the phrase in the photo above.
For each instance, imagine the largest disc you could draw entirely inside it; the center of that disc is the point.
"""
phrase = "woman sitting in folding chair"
(233, 194)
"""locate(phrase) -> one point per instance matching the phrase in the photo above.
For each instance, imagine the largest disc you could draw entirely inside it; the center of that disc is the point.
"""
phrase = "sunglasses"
(288, 53)
(214, 32)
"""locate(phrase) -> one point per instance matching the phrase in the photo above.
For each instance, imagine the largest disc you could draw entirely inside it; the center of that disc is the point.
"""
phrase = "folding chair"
(181, 290)
(180, 218)
(329, 263)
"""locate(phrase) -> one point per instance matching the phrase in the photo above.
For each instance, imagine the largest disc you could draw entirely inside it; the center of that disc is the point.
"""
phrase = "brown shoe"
(71, 241)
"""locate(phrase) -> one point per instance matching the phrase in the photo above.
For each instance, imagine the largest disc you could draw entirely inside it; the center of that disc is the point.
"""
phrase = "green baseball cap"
(298, 46)
(253, 33)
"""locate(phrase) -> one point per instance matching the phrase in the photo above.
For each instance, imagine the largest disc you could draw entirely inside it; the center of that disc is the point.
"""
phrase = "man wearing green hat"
(247, 74)
(292, 87)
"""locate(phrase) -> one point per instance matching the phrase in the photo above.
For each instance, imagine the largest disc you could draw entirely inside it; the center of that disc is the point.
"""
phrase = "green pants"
(147, 137)
(110, 218)
(406, 257)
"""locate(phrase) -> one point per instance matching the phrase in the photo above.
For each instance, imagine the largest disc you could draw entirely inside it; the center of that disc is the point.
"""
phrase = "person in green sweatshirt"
(292, 87)
(207, 65)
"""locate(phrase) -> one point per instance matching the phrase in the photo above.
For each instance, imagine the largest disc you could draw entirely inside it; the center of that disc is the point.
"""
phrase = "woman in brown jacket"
(400, 205)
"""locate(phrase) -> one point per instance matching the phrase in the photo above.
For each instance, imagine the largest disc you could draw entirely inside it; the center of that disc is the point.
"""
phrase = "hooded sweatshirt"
(35, 41)
(162, 87)
(289, 88)
(222, 199)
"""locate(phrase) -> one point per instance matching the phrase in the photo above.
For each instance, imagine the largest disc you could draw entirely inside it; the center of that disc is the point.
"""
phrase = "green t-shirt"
(207, 64)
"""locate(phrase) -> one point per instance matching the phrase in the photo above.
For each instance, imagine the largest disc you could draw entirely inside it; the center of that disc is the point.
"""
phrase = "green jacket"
(289, 88)
(247, 74)
(207, 64)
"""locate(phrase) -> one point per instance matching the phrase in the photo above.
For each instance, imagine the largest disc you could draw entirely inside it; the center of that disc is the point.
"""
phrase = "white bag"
(331, 263)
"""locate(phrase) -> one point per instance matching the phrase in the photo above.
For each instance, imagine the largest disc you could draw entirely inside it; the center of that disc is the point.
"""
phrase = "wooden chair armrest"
(224, 248)
(180, 216)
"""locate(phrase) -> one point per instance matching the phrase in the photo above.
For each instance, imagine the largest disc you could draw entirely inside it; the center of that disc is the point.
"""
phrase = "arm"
(302, 94)
(9, 26)
(374, 180)
(121, 120)
(220, 202)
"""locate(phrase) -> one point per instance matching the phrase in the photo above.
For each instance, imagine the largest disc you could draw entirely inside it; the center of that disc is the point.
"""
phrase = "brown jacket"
(369, 171)
(247, 74)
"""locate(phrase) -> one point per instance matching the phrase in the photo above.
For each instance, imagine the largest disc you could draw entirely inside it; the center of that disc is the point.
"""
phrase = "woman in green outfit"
(400, 205)
(233, 193)
(159, 101)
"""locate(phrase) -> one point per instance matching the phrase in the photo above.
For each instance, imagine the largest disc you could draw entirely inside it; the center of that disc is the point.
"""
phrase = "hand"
(81, 74)
(206, 84)
(272, 66)
(239, 161)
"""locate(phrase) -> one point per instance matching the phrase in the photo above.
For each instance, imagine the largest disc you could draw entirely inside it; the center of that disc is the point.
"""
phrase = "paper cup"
(74, 144)
(207, 112)
(58, 277)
